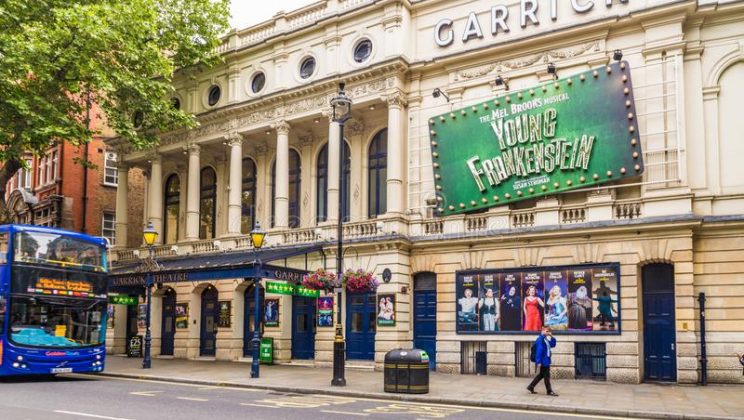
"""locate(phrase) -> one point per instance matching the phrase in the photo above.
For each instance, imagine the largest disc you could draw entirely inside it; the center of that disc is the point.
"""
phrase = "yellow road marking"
(345, 413)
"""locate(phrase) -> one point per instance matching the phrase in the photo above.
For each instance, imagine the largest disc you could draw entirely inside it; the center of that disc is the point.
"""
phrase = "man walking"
(544, 342)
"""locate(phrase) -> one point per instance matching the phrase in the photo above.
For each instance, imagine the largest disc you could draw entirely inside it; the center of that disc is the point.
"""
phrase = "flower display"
(321, 280)
(359, 281)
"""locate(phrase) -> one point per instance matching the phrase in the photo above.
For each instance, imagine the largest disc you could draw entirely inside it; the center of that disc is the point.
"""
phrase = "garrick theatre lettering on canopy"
(599, 195)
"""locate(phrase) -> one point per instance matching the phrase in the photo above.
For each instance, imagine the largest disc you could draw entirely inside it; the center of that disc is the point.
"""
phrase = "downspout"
(703, 350)
(83, 227)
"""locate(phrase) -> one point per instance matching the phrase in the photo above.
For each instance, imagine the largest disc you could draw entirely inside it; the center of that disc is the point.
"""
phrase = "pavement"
(576, 397)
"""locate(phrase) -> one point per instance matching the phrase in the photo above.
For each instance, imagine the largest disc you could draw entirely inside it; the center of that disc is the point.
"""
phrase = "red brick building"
(58, 190)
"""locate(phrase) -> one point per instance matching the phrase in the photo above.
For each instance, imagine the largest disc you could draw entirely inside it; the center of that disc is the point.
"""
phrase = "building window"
(377, 182)
(248, 196)
(214, 95)
(172, 204)
(207, 203)
(258, 82)
(110, 172)
(322, 183)
(108, 228)
(23, 176)
(52, 175)
(41, 177)
(176, 103)
(307, 68)
(591, 361)
(295, 184)
(363, 51)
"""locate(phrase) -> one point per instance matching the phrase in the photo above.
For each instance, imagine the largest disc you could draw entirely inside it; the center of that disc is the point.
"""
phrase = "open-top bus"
(53, 301)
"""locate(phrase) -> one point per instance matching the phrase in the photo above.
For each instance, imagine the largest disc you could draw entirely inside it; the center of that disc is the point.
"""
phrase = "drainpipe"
(703, 350)
(83, 227)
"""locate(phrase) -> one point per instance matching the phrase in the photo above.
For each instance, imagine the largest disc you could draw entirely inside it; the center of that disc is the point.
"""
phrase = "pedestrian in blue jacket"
(544, 342)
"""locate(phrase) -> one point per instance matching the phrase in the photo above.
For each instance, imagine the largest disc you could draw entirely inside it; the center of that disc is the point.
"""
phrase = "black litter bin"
(407, 371)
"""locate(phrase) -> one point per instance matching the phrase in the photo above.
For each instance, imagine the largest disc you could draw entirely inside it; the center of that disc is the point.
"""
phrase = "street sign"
(563, 135)
(279, 288)
(266, 350)
(123, 300)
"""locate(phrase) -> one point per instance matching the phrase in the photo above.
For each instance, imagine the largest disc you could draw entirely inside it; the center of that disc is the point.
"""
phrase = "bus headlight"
(98, 357)
(16, 365)
(20, 358)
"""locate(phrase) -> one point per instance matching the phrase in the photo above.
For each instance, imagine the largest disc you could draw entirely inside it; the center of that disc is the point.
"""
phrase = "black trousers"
(543, 374)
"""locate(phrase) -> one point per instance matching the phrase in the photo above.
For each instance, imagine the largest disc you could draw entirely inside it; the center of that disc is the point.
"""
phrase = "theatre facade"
(508, 165)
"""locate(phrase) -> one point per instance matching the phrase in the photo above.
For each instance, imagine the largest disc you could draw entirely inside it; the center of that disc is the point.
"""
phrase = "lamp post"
(149, 235)
(257, 240)
(341, 114)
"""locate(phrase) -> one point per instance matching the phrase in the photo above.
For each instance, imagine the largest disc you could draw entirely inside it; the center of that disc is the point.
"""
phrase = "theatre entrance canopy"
(266, 264)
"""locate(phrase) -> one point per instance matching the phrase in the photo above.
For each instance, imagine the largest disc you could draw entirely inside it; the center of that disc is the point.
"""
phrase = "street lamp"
(257, 240)
(149, 235)
(341, 114)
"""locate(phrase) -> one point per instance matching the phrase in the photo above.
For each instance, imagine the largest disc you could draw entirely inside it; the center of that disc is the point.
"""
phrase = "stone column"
(234, 204)
(334, 143)
(281, 199)
(396, 153)
(155, 190)
(192, 194)
(122, 206)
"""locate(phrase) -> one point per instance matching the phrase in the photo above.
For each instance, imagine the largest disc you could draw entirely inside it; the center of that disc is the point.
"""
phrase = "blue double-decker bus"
(53, 301)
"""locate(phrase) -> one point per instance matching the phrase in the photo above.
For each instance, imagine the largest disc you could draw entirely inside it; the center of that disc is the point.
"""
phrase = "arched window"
(172, 207)
(207, 203)
(295, 185)
(377, 179)
(322, 183)
(248, 196)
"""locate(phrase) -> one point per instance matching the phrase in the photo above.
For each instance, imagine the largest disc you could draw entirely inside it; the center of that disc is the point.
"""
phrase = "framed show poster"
(271, 312)
(182, 316)
(325, 311)
(224, 320)
(142, 315)
(386, 310)
(580, 299)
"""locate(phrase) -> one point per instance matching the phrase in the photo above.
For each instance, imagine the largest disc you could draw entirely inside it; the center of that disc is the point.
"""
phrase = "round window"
(214, 95)
(362, 51)
(307, 68)
(176, 103)
(258, 82)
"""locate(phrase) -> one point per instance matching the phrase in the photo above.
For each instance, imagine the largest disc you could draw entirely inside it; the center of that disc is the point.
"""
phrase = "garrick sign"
(559, 136)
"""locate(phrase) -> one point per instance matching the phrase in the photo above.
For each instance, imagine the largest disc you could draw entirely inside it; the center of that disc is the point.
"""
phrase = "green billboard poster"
(564, 135)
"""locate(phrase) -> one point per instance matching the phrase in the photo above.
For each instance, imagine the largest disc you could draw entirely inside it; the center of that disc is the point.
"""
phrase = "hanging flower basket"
(321, 280)
(359, 281)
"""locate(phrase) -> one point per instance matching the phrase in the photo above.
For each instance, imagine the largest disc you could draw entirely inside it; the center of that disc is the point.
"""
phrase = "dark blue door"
(360, 326)
(168, 323)
(209, 314)
(249, 316)
(303, 327)
(425, 315)
(659, 336)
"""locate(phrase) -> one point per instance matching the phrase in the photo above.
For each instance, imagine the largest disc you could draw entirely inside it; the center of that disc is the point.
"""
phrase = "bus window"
(3, 305)
(60, 250)
(3, 248)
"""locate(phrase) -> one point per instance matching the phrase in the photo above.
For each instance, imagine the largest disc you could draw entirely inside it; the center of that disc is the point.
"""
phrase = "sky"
(250, 12)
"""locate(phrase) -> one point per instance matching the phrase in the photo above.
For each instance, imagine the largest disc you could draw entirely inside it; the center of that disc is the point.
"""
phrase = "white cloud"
(250, 12)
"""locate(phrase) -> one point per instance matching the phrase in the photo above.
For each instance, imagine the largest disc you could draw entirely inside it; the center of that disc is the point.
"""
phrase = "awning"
(214, 266)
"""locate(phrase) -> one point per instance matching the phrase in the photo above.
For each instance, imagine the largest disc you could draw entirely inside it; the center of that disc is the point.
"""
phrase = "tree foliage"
(55, 55)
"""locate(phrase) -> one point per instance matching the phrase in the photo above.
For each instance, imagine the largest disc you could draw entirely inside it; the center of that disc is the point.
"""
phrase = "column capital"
(192, 149)
(395, 99)
(123, 166)
(281, 127)
(154, 157)
(233, 139)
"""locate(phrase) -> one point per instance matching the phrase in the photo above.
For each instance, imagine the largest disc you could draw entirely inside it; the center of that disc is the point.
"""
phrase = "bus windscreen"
(58, 250)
